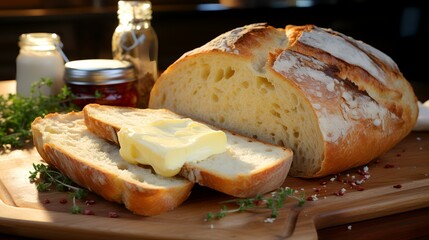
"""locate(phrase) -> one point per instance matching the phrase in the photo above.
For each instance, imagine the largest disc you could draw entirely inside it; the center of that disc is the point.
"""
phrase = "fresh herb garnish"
(18, 112)
(46, 177)
(273, 202)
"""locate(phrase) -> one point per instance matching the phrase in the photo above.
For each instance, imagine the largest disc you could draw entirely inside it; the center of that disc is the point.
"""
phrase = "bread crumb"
(269, 220)
(211, 226)
(349, 227)
(418, 138)
(314, 197)
(359, 182)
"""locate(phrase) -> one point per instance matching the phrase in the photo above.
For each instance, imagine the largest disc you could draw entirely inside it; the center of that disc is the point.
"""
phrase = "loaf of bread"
(64, 142)
(335, 101)
(247, 168)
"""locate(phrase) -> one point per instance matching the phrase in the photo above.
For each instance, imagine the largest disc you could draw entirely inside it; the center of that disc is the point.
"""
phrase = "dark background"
(398, 28)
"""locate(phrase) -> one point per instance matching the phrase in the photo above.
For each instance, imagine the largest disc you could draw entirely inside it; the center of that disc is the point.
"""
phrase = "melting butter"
(168, 144)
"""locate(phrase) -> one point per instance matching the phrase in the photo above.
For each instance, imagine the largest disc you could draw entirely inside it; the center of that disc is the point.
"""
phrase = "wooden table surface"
(408, 225)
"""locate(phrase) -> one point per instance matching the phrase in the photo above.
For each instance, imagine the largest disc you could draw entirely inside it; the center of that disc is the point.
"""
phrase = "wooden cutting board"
(396, 182)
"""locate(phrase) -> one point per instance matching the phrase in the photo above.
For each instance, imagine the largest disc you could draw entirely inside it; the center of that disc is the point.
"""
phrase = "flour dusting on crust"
(342, 49)
(353, 108)
(226, 42)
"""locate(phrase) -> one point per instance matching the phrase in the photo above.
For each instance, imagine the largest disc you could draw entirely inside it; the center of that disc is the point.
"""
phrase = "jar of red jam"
(102, 81)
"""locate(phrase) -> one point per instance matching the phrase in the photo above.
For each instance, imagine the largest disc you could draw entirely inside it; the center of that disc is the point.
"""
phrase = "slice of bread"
(247, 168)
(64, 142)
(335, 101)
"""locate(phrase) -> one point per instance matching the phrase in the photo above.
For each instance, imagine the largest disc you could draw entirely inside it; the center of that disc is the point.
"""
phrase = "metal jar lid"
(98, 72)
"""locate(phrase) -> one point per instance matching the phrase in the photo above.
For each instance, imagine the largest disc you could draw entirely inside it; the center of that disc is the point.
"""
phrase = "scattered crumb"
(349, 227)
(341, 192)
(359, 182)
(269, 220)
(313, 198)
(418, 138)
(211, 226)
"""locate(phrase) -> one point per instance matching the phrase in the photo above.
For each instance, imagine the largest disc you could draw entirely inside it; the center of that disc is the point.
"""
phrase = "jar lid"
(99, 72)
(41, 40)
(129, 10)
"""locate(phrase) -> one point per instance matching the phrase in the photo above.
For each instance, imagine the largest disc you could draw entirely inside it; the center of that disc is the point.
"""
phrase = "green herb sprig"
(18, 112)
(274, 202)
(45, 177)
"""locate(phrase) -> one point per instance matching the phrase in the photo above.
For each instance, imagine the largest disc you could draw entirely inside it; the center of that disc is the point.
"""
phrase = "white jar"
(39, 58)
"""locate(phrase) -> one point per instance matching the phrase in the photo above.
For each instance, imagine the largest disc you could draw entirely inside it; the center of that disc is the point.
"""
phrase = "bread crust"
(360, 102)
(242, 186)
(378, 82)
(138, 197)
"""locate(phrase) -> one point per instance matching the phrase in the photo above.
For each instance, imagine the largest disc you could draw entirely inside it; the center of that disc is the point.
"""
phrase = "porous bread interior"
(69, 132)
(242, 157)
(234, 94)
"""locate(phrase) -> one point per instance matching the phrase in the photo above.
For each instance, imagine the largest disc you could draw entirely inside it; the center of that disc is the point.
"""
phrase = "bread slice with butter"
(64, 141)
(247, 167)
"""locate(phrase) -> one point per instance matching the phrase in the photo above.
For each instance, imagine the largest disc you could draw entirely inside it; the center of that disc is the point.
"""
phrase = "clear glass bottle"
(136, 41)
(39, 58)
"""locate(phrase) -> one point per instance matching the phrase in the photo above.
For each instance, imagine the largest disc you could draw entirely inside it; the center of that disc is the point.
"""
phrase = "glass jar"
(135, 40)
(102, 81)
(39, 58)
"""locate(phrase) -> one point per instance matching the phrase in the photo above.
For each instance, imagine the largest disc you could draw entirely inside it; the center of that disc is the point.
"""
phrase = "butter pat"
(168, 144)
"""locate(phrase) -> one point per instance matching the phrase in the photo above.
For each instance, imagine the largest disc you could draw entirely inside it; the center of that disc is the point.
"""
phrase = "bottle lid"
(129, 10)
(99, 72)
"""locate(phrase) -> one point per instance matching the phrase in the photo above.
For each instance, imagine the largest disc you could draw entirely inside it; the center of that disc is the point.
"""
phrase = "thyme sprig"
(275, 202)
(18, 112)
(45, 177)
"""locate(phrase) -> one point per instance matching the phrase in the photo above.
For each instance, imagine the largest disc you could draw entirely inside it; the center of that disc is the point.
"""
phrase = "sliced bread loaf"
(335, 101)
(64, 142)
(247, 168)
